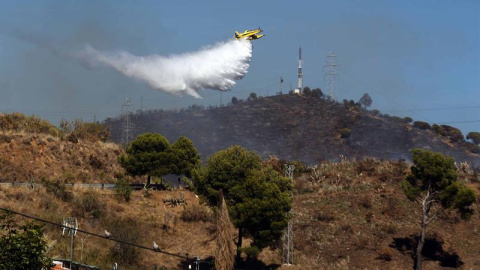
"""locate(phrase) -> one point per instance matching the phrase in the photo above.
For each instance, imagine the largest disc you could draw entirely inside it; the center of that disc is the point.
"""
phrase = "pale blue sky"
(415, 58)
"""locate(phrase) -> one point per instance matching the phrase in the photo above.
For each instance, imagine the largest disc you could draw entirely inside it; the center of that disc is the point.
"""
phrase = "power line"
(437, 109)
(94, 234)
(370, 88)
(457, 122)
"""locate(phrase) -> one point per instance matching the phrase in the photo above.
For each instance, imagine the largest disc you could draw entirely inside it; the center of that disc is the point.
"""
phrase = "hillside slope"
(352, 217)
(26, 157)
(295, 128)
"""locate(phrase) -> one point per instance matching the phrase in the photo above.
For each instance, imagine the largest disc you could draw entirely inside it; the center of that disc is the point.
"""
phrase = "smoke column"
(215, 67)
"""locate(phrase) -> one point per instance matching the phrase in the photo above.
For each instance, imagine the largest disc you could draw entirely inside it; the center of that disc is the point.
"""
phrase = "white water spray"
(216, 67)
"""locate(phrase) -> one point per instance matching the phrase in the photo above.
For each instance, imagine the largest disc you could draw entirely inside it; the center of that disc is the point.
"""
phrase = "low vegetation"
(347, 213)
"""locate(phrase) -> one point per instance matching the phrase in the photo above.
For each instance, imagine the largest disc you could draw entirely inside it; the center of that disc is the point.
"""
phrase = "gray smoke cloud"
(216, 67)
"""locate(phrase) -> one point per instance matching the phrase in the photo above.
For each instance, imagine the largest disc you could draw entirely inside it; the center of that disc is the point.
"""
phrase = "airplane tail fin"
(236, 34)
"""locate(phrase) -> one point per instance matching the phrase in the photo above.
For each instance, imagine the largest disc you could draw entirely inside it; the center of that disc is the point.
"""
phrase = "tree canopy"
(258, 197)
(474, 136)
(186, 157)
(366, 100)
(151, 154)
(22, 246)
(433, 180)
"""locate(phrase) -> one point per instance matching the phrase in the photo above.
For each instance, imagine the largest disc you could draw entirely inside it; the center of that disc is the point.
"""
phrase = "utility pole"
(331, 74)
(127, 126)
(70, 227)
(287, 251)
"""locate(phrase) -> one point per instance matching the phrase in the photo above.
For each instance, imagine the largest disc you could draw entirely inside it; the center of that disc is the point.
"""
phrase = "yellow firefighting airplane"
(249, 34)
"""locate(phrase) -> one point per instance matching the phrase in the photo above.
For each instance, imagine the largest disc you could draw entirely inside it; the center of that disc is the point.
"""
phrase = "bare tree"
(225, 252)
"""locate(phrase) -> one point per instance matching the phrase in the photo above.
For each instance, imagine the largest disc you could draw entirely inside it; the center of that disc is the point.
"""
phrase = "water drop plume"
(215, 67)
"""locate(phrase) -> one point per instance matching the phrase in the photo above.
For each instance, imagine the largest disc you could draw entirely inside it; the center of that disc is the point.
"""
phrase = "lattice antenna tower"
(287, 251)
(331, 73)
(127, 125)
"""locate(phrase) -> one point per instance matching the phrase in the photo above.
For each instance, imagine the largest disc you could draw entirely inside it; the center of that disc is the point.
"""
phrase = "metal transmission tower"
(300, 74)
(127, 126)
(287, 252)
(331, 74)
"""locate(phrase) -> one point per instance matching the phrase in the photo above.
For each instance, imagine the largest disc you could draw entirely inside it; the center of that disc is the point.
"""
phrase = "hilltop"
(303, 128)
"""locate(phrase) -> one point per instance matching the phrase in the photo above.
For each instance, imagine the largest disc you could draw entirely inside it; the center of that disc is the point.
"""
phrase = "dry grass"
(348, 220)
(99, 210)
(26, 157)
(343, 220)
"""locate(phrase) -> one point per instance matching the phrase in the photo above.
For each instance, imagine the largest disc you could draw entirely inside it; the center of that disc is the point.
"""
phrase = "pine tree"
(225, 252)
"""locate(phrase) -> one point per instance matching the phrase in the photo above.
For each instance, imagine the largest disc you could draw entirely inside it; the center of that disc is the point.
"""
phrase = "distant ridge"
(294, 127)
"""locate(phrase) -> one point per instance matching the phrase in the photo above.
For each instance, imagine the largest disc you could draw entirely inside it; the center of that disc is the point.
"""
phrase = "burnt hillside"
(295, 128)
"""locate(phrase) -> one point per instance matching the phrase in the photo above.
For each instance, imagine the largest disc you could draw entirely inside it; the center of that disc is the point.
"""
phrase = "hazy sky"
(415, 58)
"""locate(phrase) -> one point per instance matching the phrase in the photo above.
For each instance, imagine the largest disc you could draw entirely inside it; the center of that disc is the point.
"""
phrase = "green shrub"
(345, 132)
(421, 125)
(123, 189)
(251, 251)
(408, 119)
(438, 129)
(56, 188)
(454, 134)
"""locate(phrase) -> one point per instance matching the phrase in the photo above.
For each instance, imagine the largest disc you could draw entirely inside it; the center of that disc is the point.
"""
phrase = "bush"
(56, 188)
(421, 125)
(473, 148)
(88, 205)
(95, 162)
(345, 133)
(123, 189)
(91, 131)
(438, 129)
(31, 124)
(196, 213)
(251, 252)
(126, 231)
(454, 134)
(366, 166)
(408, 119)
(474, 136)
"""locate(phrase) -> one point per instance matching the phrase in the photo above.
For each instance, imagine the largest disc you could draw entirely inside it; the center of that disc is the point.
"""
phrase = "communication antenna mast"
(300, 74)
(287, 252)
(331, 74)
(70, 227)
(127, 126)
(281, 83)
